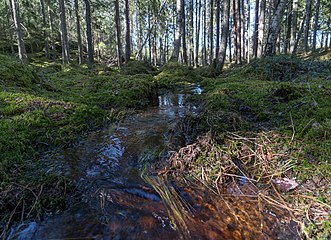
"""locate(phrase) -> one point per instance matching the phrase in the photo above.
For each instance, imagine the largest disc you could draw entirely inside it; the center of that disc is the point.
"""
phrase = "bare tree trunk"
(296, 44)
(211, 32)
(20, 41)
(9, 19)
(274, 28)
(248, 30)
(46, 35)
(235, 29)
(64, 33)
(218, 15)
(204, 49)
(79, 36)
(239, 37)
(261, 28)
(288, 30)
(225, 34)
(118, 33)
(51, 28)
(127, 33)
(90, 51)
(197, 36)
(242, 28)
(184, 53)
(294, 22)
(308, 16)
(191, 33)
(178, 35)
(256, 28)
(316, 23)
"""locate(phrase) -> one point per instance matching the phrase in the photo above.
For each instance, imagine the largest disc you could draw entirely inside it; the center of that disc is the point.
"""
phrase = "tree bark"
(20, 41)
(46, 35)
(185, 59)
(127, 33)
(261, 28)
(274, 28)
(211, 33)
(308, 16)
(79, 36)
(64, 34)
(294, 22)
(197, 33)
(178, 34)
(316, 23)
(256, 28)
(218, 14)
(90, 50)
(51, 29)
(225, 34)
(118, 33)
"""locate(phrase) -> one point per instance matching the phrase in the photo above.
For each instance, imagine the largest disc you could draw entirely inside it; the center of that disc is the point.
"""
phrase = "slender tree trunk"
(197, 37)
(242, 28)
(127, 33)
(51, 28)
(235, 29)
(274, 28)
(118, 33)
(90, 51)
(184, 53)
(218, 15)
(308, 16)
(301, 29)
(225, 34)
(239, 38)
(9, 22)
(178, 35)
(256, 28)
(316, 23)
(248, 30)
(204, 49)
(288, 31)
(64, 33)
(294, 22)
(46, 35)
(79, 36)
(261, 28)
(191, 32)
(20, 41)
(211, 32)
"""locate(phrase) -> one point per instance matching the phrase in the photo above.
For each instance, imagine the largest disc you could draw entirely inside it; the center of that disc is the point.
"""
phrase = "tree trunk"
(274, 28)
(218, 14)
(308, 16)
(211, 32)
(197, 32)
(204, 49)
(288, 31)
(248, 30)
(90, 51)
(184, 34)
(316, 23)
(191, 33)
(225, 33)
(294, 22)
(118, 33)
(64, 33)
(46, 35)
(20, 41)
(261, 28)
(235, 29)
(178, 35)
(256, 28)
(127, 33)
(51, 29)
(79, 36)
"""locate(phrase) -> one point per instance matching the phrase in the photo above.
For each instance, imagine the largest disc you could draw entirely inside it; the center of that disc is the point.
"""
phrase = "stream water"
(119, 203)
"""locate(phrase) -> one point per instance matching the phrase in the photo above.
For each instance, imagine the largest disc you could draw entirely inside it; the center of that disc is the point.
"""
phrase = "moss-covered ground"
(45, 106)
(269, 120)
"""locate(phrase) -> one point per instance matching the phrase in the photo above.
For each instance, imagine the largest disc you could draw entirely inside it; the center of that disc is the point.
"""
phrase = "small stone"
(285, 184)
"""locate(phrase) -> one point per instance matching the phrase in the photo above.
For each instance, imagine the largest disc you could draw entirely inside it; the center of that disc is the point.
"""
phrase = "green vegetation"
(268, 120)
(45, 106)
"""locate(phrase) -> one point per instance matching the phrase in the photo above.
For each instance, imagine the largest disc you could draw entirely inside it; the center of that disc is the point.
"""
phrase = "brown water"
(120, 202)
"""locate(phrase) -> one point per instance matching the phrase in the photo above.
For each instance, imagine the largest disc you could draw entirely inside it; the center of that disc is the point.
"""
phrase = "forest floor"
(268, 121)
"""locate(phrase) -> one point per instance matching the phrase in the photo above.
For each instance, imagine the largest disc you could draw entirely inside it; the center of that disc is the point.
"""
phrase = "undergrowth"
(269, 120)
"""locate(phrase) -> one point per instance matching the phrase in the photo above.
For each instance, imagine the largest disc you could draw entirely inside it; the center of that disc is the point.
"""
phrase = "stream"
(119, 202)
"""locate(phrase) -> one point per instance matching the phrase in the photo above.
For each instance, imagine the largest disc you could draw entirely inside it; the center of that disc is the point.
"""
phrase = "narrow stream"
(119, 203)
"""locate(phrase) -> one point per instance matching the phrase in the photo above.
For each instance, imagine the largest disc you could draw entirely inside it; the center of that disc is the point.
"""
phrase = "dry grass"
(257, 159)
